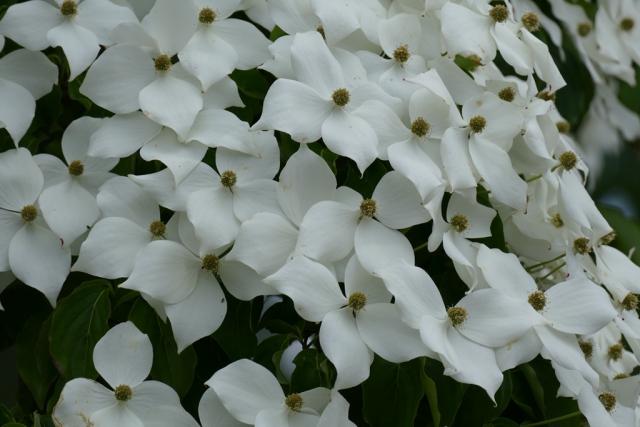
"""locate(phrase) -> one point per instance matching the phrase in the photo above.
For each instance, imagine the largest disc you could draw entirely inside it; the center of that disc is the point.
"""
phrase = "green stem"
(552, 271)
(534, 178)
(420, 247)
(553, 420)
(541, 264)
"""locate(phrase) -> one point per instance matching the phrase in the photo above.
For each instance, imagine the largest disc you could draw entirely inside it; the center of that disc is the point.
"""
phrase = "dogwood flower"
(123, 357)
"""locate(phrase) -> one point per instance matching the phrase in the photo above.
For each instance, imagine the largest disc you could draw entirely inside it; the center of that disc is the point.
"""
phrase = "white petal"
(456, 159)
(124, 355)
(110, 249)
(503, 122)
(494, 319)
(20, 179)
(479, 216)
(294, 108)
(398, 203)
(122, 135)
(102, 16)
(518, 352)
(208, 57)
(79, 399)
(80, 46)
(27, 23)
(171, 102)
(336, 414)
(337, 18)
(350, 136)
(171, 24)
(38, 259)
(249, 43)
(305, 180)
(242, 281)
(384, 332)
(578, 307)
(181, 158)
(341, 343)
(150, 395)
(167, 415)
(474, 40)
(164, 270)
(31, 70)
(401, 29)
(312, 287)
(10, 223)
(357, 279)
(75, 140)
(199, 314)
(220, 128)
(314, 65)
(69, 210)
(264, 243)
(255, 197)
(416, 294)
(116, 78)
(385, 123)
(433, 109)
(494, 165)
(213, 414)
(545, 68)
(378, 247)
(512, 49)
(327, 231)
(223, 94)
(119, 415)
(16, 116)
(246, 389)
(122, 197)
(503, 272)
(211, 213)
(262, 163)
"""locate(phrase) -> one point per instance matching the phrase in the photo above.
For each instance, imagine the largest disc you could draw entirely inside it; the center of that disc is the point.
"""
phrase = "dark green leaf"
(78, 322)
(477, 407)
(627, 231)
(312, 370)
(236, 335)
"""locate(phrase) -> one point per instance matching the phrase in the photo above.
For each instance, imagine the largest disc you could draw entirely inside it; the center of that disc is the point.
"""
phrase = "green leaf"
(431, 392)
(78, 322)
(236, 335)
(34, 363)
(502, 422)
(392, 393)
(312, 370)
(176, 370)
(450, 392)
(627, 231)
(478, 408)
(13, 425)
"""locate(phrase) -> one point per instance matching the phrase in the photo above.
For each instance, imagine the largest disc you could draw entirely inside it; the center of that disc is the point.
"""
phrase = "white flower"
(123, 357)
(28, 247)
(78, 27)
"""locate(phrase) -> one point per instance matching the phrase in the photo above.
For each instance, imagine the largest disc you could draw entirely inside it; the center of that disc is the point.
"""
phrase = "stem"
(553, 420)
(533, 178)
(9, 210)
(552, 271)
(541, 264)
(420, 247)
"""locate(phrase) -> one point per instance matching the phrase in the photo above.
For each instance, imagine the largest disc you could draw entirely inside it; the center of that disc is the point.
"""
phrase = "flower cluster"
(410, 86)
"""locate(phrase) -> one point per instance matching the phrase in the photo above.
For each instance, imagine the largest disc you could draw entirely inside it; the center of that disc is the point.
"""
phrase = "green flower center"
(341, 97)
(29, 213)
(401, 54)
(228, 179)
(420, 127)
(157, 228)
(581, 245)
(76, 168)
(457, 315)
(537, 300)
(162, 62)
(586, 347)
(627, 24)
(630, 302)
(211, 263)
(557, 221)
(123, 393)
(477, 124)
(69, 8)
(507, 94)
(357, 301)
(499, 13)
(206, 16)
(531, 21)
(568, 160)
(294, 402)
(608, 400)
(584, 28)
(563, 126)
(459, 223)
(615, 351)
(368, 207)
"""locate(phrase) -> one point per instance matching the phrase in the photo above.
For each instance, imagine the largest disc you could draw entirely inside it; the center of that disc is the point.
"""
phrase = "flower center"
(608, 238)
(499, 13)
(507, 94)
(294, 402)
(557, 221)
(341, 97)
(123, 393)
(627, 24)
(320, 29)
(211, 263)
(615, 351)
(531, 21)
(29, 213)
(584, 28)
(546, 95)
(76, 168)
(630, 302)
(477, 124)
(459, 222)
(206, 16)
(581, 245)
(157, 228)
(586, 347)
(69, 8)
(537, 300)
(620, 376)
(228, 179)
(357, 301)
(162, 62)
(368, 207)
(608, 400)
(563, 126)
(401, 54)
(420, 127)
(568, 160)
(457, 315)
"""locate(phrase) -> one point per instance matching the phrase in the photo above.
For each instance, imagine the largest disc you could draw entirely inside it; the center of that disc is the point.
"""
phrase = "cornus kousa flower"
(252, 395)
(24, 77)
(123, 357)
(354, 322)
(28, 247)
(324, 103)
(68, 201)
(162, 89)
(79, 27)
